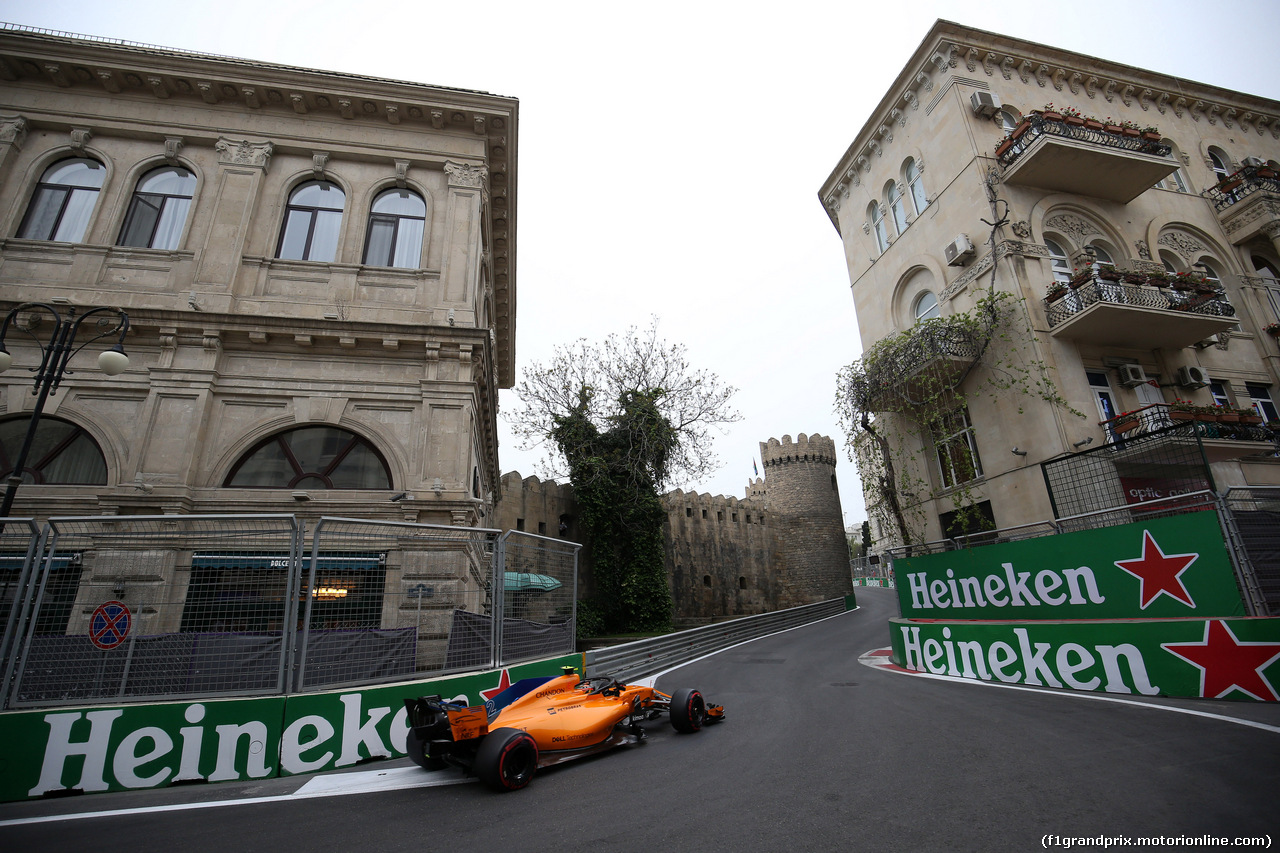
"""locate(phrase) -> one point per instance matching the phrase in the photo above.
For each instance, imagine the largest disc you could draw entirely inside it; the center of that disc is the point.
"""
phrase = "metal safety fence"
(1251, 518)
(141, 608)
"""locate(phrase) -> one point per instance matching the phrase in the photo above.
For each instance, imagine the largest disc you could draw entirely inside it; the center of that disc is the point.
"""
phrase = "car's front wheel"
(688, 710)
(507, 759)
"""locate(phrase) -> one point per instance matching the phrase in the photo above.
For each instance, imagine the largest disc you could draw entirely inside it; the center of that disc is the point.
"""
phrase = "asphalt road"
(818, 753)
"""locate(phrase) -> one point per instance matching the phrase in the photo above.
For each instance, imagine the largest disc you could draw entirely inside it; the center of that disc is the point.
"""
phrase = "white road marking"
(876, 661)
(332, 785)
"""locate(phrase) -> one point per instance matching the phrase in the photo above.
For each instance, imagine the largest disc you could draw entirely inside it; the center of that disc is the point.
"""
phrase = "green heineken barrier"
(1163, 567)
(1203, 658)
(126, 747)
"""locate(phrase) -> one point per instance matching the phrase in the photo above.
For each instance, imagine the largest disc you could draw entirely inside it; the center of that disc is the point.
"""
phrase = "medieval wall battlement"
(780, 545)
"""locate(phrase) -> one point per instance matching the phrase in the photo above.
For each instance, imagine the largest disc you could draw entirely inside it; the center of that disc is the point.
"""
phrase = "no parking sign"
(109, 625)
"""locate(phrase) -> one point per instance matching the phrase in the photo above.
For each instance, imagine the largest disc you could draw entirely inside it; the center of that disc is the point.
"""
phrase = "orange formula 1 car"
(538, 722)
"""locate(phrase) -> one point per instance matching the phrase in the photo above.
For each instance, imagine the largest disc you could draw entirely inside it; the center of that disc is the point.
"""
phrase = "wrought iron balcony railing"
(1226, 425)
(1243, 184)
(1204, 301)
(1038, 126)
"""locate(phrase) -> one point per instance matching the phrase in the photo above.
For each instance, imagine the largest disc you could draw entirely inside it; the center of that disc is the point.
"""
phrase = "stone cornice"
(953, 50)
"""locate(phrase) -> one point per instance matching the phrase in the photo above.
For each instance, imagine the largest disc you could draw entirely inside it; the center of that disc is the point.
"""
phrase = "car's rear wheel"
(416, 748)
(688, 710)
(507, 759)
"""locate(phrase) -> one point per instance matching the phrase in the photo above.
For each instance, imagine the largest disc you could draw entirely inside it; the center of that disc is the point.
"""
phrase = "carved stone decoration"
(1197, 109)
(211, 340)
(1074, 82)
(866, 227)
(1006, 67)
(971, 58)
(1075, 227)
(1091, 86)
(344, 108)
(1162, 102)
(1059, 74)
(402, 173)
(897, 115)
(1025, 71)
(319, 159)
(1212, 114)
(909, 98)
(1181, 242)
(172, 145)
(80, 137)
(1144, 251)
(299, 103)
(1022, 229)
(862, 163)
(208, 91)
(989, 62)
(1127, 93)
(1109, 91)
(437, 119)
(109, 82)
(156, 82)
(465, 175)
(1144, 99)
(873, 145)
(57, 75)
(393, 114)
(244, 153)
(478, 125)
(1178, 106)
(13, 130)
(1042, 74)
(251, 97)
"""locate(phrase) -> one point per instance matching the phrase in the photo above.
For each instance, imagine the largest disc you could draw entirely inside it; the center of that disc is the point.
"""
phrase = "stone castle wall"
(780, 546)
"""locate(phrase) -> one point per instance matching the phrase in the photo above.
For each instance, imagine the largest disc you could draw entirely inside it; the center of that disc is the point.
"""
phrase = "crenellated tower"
(804, 502)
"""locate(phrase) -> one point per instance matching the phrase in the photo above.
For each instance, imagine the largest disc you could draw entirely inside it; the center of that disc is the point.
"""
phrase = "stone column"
(460, 269)
(241, 167)
(13, 131)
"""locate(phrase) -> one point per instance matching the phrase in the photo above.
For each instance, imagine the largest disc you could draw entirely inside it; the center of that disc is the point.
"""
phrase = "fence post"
(498, 584)
(290, 668)
(23, 592)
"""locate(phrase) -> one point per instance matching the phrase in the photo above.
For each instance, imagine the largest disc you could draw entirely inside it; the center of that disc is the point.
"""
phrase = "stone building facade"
(978, 126)
(318, 270)
(779, 546)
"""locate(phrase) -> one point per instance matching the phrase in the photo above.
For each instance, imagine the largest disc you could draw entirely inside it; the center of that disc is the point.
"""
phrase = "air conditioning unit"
(1192, 377)
(1131, 375)
(1255, 162)
(985, 103)
(959, 251)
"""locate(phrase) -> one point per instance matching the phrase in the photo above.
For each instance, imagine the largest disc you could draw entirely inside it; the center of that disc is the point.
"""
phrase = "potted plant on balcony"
(1272, 329)
(1151, 133)
(1092, 123)
(1183, 410)
(1229, 183)
(1127, 422)
(1265, 172)
(1080, 276)
(1071, 116)
(1187, 281)
(1110, 126)
(1131, 129)
(1157, 279)
(1055, 292)
(1132, 277)
(1107, 272)
(1249, 416)
(1050, 113)
(1227, 415)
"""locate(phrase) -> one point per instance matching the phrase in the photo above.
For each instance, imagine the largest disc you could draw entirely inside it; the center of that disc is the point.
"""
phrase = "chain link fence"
(1252, 519)
(142, 608)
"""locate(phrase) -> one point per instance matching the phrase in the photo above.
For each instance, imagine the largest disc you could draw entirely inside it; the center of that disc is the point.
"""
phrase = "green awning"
(529, 582)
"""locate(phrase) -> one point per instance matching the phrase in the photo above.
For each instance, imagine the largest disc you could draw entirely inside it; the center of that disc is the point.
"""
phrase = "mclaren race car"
(538, 722)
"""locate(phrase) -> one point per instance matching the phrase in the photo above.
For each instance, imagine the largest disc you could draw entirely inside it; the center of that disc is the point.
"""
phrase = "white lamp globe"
(6, 360)
(113, 361)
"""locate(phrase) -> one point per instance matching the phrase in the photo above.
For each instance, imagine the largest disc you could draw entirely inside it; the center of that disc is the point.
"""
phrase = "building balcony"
(1138, 316)
(1224, 434)
(1247, 203)
(933, 359)
(1061, 155)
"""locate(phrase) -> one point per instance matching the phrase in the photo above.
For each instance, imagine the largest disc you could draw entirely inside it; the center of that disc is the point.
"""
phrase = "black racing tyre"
(416, 748)
(688, 710)
(507, 759)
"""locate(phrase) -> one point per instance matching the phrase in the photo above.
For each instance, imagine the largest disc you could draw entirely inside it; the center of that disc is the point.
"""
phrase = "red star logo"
(503, 683)
(1227, 664)
(1159, 572)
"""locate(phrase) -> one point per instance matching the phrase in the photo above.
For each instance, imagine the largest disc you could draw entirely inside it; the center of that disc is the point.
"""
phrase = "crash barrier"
(1152, 607)
(120, 747)
(642, 658)
(879, 582)
(137, 608)
(1250, 518)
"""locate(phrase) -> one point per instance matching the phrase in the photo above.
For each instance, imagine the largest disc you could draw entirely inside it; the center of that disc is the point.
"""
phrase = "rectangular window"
(1260, 399)
(957, 449)
(1218, 390)
(1102, 395)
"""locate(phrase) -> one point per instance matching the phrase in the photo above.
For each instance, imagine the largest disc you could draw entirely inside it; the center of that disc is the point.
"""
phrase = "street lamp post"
(54, 357)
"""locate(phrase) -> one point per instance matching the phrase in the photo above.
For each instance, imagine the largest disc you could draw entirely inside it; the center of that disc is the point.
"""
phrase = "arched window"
(1220, 163)
(396, 222)
(894, 194)
(1101, 255)
(876, 214)
(915, 186)
(61, 453)
(158, 209)
(314, 457)
(1059, 262)
(925, 307)
(313, 219)
(1009, 120)
(63, 201)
